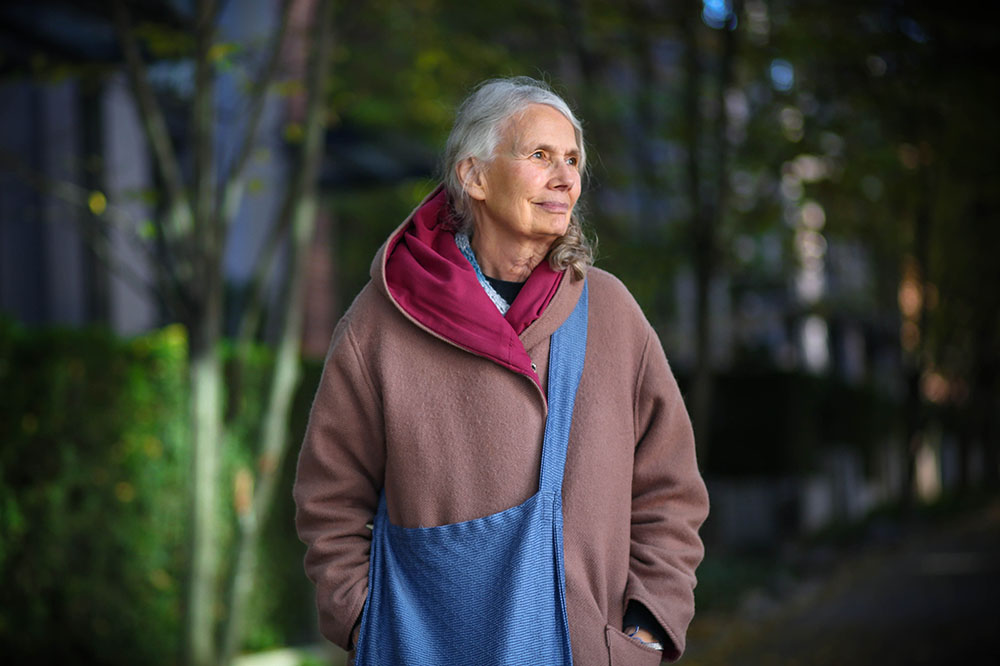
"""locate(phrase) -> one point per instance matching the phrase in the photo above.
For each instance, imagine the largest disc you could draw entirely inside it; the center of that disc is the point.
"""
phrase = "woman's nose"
(564, 174)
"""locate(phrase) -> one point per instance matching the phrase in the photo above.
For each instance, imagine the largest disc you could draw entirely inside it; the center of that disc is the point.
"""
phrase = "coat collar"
(425, 275)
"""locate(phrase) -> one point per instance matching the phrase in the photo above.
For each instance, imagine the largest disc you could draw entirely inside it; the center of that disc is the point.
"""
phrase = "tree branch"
(258, 97)
(263, 268)
(203, 123)
(173, 227)
(234, 185)
(153, 121)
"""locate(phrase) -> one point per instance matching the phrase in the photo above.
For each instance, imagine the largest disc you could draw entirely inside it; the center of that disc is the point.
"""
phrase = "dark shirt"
(508, 290)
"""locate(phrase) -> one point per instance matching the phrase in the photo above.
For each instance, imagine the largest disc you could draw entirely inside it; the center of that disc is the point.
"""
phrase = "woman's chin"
(553, 228)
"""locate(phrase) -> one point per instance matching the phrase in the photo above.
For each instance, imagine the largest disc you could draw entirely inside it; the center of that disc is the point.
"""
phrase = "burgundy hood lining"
(432, 282)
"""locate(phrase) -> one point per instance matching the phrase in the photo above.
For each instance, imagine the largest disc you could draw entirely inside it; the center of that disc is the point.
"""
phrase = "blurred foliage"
(362, 222)
(280, 609)
(92, 481)
(403, 66)
(93, 491)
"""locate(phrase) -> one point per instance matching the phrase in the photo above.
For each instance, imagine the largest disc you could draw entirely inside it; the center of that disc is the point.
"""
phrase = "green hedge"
(92, 496)
(94, 499)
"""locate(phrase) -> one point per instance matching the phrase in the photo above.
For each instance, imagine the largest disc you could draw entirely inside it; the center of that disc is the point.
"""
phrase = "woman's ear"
(471, 178)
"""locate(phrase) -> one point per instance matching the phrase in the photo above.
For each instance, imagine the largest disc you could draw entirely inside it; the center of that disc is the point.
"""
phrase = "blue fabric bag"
(489, 591)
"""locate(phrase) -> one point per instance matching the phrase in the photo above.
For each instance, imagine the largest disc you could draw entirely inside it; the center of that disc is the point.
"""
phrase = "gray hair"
(479, 125)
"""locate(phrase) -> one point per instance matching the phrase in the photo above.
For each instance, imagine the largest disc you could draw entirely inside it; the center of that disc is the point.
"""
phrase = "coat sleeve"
(339, 474)
(669, 502)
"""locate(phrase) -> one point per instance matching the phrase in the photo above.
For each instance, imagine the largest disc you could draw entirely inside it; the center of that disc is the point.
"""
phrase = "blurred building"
(77, 182)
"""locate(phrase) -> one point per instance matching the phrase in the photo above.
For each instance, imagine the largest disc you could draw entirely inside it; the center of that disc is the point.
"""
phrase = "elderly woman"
(499, 467)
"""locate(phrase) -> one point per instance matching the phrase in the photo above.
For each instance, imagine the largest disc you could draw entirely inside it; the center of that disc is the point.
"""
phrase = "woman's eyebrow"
(552, 149)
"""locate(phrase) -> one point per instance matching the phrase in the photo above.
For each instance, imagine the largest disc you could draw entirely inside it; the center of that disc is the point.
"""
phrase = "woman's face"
(528, 191)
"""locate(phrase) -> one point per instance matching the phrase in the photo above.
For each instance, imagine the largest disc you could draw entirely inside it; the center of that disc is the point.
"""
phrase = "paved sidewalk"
(932, 598)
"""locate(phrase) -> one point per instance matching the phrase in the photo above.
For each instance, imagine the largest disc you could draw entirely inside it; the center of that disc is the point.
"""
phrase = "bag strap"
(567, 349)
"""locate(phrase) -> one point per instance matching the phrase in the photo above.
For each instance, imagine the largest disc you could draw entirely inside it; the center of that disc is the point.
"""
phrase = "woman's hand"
(640, 635)
(635, 632)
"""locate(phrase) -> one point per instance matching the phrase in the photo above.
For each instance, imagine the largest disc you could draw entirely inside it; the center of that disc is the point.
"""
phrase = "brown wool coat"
(454, 436)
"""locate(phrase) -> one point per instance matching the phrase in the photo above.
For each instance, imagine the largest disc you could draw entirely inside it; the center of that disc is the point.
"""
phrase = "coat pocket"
(624, 651)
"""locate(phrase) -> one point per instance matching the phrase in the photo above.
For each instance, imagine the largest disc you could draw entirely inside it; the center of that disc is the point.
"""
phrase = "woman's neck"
(508, 261)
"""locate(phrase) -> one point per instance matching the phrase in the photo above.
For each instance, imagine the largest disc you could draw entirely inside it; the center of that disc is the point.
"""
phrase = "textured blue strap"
(567, 350)
(489, 591)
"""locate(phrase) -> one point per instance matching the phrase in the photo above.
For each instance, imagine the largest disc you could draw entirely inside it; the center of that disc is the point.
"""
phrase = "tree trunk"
(707, 251)
(986, 398)
(206, 366)
(301, 205)
(692, 113)
(914, 407)
(190, 241)
(647, 180)
(706, 215)
(205, 410)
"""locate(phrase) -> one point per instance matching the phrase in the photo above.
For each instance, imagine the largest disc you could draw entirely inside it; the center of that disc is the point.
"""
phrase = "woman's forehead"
(543, 124)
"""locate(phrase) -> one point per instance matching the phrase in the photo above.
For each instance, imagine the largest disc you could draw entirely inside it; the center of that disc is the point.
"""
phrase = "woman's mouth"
(553, 206)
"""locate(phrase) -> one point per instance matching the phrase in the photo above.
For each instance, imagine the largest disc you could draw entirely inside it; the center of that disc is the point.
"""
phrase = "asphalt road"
(933, 598)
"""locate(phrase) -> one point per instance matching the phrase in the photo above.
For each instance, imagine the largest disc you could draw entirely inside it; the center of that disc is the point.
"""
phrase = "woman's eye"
(539, 154)
(572, 161)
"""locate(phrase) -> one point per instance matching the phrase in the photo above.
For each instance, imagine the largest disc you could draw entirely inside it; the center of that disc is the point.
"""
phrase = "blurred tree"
(190, 233)
(890, 94)
(707, 186)
(653, 81)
